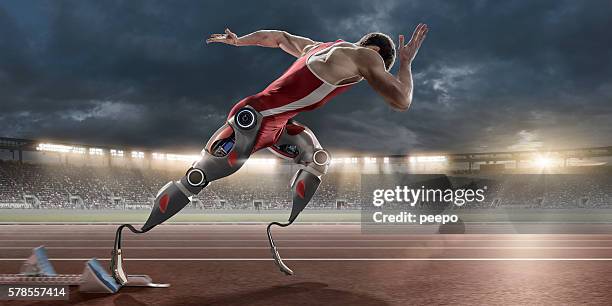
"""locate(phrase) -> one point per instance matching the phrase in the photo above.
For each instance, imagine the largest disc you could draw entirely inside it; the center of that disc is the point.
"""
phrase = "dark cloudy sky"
(492, 75)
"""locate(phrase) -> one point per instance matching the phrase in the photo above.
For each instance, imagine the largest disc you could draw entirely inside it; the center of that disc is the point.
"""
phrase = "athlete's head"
(381, 43)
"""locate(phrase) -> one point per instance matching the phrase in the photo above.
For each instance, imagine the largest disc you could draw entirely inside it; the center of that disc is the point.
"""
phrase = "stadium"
(305, 153)
(561, 199)
(62, 176)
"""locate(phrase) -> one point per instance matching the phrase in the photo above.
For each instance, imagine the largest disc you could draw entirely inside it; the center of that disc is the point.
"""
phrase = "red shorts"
(270, 129)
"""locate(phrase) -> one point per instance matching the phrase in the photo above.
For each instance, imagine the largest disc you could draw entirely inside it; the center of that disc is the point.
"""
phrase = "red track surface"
(385, 272)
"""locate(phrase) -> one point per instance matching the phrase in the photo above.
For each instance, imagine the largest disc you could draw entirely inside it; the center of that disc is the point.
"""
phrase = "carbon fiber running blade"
(117, 267)
(143, 281)
(279, 262)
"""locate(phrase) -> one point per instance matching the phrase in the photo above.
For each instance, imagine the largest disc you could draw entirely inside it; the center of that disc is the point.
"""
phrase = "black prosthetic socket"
(170, 200)
(303, 188)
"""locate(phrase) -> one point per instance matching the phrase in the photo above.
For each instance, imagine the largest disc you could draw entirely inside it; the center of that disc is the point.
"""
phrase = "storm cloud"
(491, 75)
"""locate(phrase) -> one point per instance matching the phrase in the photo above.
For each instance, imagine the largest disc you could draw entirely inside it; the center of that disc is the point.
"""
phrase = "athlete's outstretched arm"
(291, 44)
(396, 90)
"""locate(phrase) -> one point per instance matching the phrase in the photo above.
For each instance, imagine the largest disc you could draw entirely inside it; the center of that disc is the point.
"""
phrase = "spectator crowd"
(82, 187)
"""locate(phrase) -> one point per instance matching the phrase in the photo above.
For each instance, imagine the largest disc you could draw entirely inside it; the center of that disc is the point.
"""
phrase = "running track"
(334, 265)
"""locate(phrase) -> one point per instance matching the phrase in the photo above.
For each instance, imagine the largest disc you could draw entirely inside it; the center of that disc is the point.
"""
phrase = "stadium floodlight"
(427, 159)
(337, 160)
(49, 147)
(53, 148)
(137, 154)
(543, 162)
(261, 161)
(385, 160)
(175, 157)
(182, 157)
(369, 160)
(160, 156)
(96, 151)
(116, 153)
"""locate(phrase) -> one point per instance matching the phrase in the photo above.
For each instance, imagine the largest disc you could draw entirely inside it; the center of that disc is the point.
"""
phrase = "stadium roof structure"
(18, 144)
(526, 155)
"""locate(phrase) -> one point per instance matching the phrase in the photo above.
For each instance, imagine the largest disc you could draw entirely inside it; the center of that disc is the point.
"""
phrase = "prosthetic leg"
(226, 151)
(299, 144)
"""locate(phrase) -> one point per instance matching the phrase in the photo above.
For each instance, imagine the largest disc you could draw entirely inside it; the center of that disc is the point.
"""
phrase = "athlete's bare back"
(336, 65)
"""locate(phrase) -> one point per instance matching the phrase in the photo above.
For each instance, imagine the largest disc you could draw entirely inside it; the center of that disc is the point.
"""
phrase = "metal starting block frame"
(38, 270)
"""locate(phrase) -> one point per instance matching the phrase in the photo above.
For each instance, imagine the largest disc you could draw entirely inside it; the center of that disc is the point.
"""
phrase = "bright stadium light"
(369, 160)
(261, 161)
(543, 162)
(181, 157)
(53, 148)
(175, 157)
(96, 151)
(337, 160)
(427, 159)
(49, 147)
(137, 154)
(385, 160)
(160, 156)
(116, 153)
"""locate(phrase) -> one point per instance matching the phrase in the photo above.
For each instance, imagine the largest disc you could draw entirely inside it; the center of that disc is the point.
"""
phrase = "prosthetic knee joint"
(306, 180)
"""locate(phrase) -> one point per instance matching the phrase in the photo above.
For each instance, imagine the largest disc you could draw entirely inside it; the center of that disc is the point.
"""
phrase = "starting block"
(38, 270)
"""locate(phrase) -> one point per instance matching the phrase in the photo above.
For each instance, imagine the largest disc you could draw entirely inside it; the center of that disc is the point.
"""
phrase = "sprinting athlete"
(265, 120)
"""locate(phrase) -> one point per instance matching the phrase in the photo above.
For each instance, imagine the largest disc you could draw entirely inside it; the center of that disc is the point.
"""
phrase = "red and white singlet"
(299, 89)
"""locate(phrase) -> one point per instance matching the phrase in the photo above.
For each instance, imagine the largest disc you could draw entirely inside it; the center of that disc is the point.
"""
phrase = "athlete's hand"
(228, 38)
(408, 52)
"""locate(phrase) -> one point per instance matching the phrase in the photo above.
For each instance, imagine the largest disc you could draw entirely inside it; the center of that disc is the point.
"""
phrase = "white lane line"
(252, 232)
(303, 223)
(184, 223)
(332, 259)
(328, 248)
(245, 232)
(255, 231)
(203, 230)
(310, 240)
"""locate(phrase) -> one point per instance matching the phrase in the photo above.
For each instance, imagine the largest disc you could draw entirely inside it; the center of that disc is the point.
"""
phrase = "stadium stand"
(37, 174)
(83, 187)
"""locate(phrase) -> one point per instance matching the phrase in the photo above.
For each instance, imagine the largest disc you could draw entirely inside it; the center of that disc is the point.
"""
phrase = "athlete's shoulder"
(366, 56)
(318, 44)
(310, 47)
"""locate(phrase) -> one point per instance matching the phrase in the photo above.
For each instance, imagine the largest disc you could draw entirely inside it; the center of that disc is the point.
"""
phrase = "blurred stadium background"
(54, 181)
